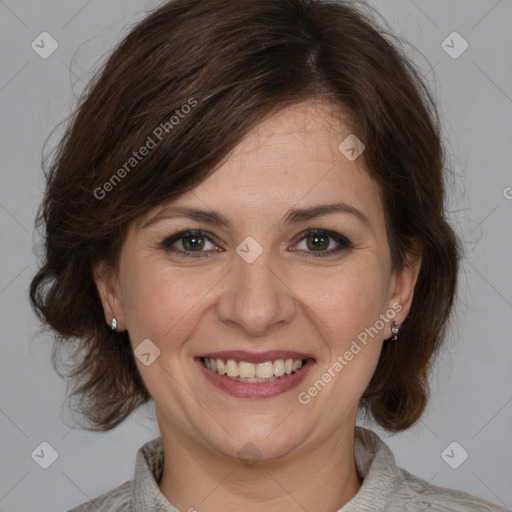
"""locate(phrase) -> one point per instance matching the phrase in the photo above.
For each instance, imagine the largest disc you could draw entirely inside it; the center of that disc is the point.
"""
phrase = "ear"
(401, 288)
(108, 290)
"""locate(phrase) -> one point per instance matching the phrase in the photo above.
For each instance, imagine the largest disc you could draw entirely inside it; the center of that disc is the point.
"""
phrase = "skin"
(285, 299)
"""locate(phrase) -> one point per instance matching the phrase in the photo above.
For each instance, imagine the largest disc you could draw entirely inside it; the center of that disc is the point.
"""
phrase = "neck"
(320, 477)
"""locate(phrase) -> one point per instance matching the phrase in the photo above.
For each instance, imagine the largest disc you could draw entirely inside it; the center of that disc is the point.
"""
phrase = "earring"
(395, 327)
(113, 324)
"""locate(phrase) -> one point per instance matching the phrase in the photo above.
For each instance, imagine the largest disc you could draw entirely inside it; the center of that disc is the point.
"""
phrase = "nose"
(256, 299)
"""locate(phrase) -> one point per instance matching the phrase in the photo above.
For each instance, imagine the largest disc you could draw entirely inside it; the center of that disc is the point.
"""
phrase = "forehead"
(290, 160)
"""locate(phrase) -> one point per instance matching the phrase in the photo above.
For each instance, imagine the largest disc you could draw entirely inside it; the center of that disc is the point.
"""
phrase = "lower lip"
(255, 389)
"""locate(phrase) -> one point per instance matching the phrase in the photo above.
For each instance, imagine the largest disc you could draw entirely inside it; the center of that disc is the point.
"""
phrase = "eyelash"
(341, 240)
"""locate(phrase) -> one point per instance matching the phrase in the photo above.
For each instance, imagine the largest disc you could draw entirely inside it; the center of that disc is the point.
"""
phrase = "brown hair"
(194, 77)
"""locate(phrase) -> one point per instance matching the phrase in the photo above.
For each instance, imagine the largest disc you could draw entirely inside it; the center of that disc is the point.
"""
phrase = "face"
(266, 278)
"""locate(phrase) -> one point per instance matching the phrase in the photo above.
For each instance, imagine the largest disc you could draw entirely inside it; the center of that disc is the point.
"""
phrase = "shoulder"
(434, 498)
(116, 500)
(394, 489)
(141, 492)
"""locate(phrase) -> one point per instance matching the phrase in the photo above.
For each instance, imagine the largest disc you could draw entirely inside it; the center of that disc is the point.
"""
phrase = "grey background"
(471, 400)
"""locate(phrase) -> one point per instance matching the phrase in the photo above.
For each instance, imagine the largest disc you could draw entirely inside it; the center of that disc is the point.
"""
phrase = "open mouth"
(243, 371)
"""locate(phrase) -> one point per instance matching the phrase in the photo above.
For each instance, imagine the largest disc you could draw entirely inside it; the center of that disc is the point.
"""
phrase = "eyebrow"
(293, 216)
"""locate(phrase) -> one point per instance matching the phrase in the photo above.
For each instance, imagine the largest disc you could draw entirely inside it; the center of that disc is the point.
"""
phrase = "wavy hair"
(239, 62)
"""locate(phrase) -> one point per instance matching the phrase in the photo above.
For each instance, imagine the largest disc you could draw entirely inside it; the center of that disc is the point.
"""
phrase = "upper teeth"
(243, 369)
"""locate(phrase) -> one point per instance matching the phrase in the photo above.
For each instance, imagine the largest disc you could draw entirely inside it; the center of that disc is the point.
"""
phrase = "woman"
(245, 223)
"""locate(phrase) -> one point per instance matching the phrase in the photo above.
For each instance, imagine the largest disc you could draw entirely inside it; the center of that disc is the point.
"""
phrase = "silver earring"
(113, 324)
(395, 327)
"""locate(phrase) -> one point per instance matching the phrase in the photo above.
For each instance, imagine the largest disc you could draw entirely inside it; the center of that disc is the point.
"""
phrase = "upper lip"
(256, 357)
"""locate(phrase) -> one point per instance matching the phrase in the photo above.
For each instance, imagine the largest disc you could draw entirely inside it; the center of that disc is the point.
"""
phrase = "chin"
(250, 442)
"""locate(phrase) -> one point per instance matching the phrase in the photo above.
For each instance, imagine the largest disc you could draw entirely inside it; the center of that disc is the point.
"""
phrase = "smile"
(263, 376)
(243, 371)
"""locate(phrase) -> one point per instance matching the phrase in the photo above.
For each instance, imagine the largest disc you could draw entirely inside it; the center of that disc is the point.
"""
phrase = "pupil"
(193, 242)
(319, 242)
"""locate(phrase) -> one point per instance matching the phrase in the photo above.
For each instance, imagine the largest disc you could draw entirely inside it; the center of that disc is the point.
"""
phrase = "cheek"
(345, 307)
(345, 300)
(160, 303)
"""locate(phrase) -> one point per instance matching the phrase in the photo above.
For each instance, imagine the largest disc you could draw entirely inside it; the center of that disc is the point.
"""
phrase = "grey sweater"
(385, 488)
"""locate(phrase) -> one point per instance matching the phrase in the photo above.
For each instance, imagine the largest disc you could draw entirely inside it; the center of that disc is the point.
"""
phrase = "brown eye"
(186, 243)
(319, 240)
(193, 243)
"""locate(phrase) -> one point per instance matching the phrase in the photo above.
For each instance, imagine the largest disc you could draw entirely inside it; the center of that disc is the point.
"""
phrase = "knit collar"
(374, 462)
(377, 468)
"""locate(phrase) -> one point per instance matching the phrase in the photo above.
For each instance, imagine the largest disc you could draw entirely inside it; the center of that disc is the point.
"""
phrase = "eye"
(189, 242)
(318, 240)
(196, 243)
